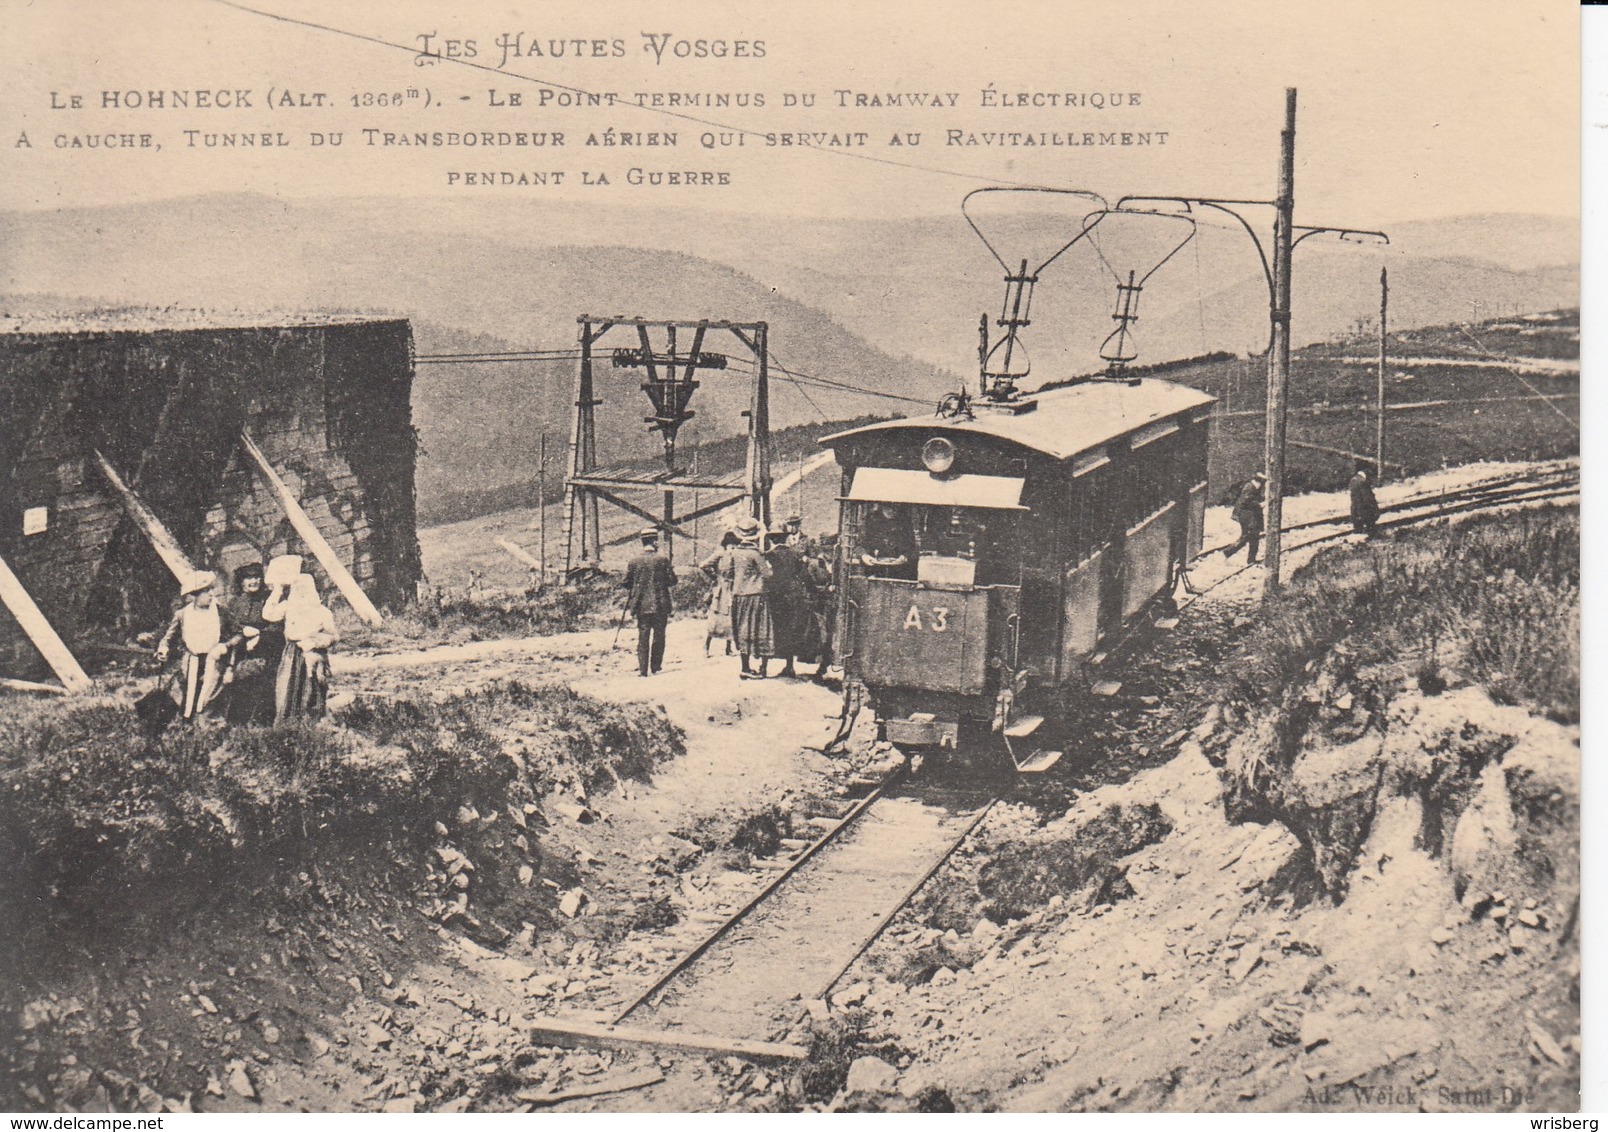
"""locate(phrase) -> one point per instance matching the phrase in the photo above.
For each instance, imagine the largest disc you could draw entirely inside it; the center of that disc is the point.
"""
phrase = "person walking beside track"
(1364, 504)
(750, 611)
(1248, 514)
(648, 581)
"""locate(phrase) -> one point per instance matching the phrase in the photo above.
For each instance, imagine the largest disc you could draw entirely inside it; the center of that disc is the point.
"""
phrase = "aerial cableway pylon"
(668, 379)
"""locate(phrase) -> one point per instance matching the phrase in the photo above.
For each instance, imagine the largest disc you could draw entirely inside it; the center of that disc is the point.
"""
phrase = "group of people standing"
(771, 601)
(258, 656)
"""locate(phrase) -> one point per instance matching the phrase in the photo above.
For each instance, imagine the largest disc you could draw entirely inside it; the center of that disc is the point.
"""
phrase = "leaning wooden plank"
(621, 1084)
(162, 541)
(333, 566)
(40, 632)
(519, 554)
(573, 1031)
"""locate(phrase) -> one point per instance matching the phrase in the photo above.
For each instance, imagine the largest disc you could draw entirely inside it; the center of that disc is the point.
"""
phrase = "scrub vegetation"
(92, 808)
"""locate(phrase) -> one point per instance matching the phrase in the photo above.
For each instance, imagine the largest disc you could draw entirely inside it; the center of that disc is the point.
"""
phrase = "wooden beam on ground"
(161, 539)
(299, 519)
(40, 632)
(625, 1082)
(30, 686)
(519, 554)
(568, 1032)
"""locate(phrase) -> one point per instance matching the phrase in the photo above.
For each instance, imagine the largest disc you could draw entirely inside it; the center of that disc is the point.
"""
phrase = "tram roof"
(1067, 421)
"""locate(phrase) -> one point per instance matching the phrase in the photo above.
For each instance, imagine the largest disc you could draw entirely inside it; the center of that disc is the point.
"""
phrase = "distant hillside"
(453, 500)
(479, 424)
(1499, 389)
(914, 286)
(887, 305)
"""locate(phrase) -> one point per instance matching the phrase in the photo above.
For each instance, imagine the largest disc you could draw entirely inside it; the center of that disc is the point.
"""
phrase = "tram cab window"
(886, 546)
(936, 544)
(966, 546)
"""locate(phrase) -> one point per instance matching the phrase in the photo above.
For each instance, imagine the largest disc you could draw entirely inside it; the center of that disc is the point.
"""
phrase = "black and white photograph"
(647, 557)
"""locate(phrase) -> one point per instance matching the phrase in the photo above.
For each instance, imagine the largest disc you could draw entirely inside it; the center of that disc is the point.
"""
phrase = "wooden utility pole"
(541, 510)
(757, 478)
(1278, 384)
(1379, 423)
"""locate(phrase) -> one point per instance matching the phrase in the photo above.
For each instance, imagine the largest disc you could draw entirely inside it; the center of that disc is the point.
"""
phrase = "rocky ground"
(1108, 939)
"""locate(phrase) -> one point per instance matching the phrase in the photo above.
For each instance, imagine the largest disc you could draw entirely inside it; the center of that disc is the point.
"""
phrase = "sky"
(1408, 109)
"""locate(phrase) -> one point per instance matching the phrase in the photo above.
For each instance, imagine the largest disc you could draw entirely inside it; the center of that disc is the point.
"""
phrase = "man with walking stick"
(648, 581)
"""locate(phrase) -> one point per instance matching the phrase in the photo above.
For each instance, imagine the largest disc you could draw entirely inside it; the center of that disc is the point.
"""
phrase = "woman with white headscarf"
(301, 685)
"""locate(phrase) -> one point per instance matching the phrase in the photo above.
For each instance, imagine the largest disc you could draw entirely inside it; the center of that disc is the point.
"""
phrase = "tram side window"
(1154, 480)
(1192, 454)
(1088, 510)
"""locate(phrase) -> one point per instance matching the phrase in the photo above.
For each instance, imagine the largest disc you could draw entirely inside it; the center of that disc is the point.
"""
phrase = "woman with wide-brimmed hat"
(207, 632)
(750, 609)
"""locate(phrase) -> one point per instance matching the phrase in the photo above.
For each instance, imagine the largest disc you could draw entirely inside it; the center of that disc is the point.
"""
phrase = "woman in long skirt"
(301, 685)
(719, 567)
(205, 633)
(750, 610)
(256, 659)
(786, 594)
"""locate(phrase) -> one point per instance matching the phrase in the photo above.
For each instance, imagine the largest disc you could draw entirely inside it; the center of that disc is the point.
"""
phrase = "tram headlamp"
(938, 454)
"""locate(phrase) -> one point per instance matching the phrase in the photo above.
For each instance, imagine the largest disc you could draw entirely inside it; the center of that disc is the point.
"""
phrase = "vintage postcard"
(645, 557)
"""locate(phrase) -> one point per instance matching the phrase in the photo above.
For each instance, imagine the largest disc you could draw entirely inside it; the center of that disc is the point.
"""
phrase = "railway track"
(1542, 486)
(744, 987)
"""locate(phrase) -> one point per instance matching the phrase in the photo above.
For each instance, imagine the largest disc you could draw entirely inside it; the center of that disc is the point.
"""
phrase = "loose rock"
(871, 1075)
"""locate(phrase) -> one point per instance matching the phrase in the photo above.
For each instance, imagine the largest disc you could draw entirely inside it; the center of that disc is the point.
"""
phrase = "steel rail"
(910, 893)
(1488, 489)
(758, 898)
(1539, 495)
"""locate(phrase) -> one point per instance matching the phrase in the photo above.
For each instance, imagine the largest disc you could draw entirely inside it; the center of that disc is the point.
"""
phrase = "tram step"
(1024, 727)
(1038, 762)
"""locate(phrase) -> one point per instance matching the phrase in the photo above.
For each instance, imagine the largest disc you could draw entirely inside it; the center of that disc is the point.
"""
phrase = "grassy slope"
(92, 809)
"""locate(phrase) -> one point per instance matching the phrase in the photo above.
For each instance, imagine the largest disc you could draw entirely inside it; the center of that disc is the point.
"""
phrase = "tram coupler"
(922, 729)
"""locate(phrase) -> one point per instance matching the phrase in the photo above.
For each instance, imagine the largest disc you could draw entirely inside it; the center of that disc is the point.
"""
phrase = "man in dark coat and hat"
(1248, 514)
(648, 581)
